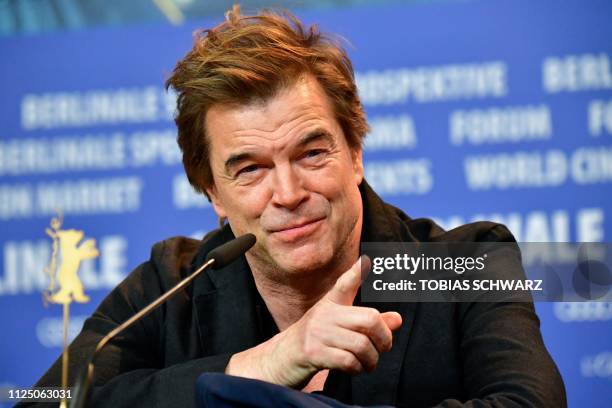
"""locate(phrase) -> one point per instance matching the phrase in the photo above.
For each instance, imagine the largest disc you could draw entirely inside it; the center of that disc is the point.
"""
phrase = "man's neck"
(288, 303)
(289, 300)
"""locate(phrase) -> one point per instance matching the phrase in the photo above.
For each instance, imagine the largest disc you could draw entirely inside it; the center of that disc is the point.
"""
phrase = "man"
(271, 128)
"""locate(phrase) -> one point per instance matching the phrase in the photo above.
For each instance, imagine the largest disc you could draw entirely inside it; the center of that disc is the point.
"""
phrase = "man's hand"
(333, 334)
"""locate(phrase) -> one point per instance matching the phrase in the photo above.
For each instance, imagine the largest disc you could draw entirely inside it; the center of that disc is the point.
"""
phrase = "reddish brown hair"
(248, 58)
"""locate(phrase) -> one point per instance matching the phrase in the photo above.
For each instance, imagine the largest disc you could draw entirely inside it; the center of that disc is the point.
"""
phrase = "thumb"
(393, 320)
(347, 285)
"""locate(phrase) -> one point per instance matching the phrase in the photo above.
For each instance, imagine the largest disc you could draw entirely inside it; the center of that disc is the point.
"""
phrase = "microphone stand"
(81, 391)
(218, 258)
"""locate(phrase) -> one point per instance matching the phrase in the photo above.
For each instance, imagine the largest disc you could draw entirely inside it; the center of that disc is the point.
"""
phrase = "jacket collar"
(230, 312)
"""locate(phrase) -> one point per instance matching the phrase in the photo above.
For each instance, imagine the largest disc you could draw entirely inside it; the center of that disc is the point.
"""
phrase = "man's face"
(283, 170)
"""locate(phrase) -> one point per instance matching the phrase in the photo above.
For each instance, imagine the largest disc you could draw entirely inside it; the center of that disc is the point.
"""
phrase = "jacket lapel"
(383, 223)
(225, 303)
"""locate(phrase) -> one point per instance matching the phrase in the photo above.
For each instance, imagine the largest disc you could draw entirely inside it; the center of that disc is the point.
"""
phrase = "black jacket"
(446, 354)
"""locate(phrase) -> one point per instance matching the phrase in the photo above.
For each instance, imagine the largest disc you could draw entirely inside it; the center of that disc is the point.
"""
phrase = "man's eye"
(313, 153)
(247, 169)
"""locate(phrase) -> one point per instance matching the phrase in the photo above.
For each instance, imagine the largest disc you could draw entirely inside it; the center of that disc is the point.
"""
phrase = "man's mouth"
(297, 231)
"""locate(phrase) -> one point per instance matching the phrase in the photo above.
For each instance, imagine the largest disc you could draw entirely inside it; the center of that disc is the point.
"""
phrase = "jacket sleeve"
(131, 369)
(505, 361)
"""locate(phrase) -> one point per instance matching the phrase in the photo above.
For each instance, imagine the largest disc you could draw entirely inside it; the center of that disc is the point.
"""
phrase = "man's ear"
(357, 157)
(216, 202)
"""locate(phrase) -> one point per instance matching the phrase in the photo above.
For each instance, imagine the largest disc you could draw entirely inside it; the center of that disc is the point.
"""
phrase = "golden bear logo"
(71, 254)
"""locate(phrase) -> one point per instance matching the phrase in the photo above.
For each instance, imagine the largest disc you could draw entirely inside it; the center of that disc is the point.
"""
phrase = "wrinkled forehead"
(303, 104)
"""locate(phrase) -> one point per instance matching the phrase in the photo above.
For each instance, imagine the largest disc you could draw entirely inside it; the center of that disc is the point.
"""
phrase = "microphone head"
(230, 251)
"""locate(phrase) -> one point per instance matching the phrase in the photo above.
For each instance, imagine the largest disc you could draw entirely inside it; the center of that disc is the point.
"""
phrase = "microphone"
(217, 258)
(228, 252)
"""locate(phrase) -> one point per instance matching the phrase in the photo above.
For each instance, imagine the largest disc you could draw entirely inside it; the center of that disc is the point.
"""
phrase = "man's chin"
(303, 259)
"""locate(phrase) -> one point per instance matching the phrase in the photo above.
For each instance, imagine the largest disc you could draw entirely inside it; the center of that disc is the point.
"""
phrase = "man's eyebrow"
(235, 159)
(316, 135)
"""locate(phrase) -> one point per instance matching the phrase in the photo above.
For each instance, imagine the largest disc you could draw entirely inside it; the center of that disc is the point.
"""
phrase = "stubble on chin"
(325, 264)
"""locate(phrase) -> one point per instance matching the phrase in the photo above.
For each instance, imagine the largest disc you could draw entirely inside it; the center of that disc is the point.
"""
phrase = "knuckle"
(350, 363)
(372, 318)
(361, 343)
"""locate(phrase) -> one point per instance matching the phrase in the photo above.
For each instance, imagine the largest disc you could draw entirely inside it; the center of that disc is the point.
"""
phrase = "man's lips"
(295, 225)
(297, 230)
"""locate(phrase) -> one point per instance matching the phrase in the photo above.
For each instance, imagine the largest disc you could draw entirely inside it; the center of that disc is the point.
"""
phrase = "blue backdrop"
(492, 109)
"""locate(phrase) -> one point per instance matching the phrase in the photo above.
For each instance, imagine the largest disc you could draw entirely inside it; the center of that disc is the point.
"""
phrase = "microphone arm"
(217, 258)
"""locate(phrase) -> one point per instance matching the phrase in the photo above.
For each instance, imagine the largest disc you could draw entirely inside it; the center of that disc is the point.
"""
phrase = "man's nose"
(288, 189)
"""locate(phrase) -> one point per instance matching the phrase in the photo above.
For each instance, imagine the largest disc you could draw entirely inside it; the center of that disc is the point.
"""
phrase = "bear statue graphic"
(66, 286)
